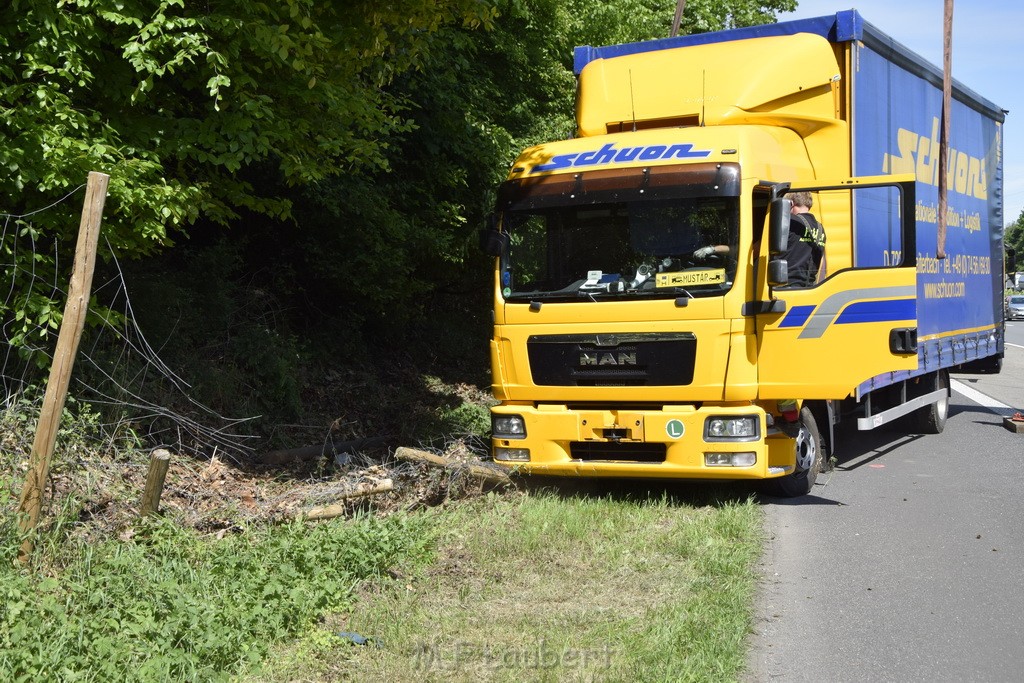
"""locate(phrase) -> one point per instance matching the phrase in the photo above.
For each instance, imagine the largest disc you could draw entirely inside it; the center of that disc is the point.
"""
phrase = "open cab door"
(860, 321)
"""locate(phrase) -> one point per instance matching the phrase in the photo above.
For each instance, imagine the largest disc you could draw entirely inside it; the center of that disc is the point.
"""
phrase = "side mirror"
(778, 225)
(778, 273)
(492, 242)
(1011, 261)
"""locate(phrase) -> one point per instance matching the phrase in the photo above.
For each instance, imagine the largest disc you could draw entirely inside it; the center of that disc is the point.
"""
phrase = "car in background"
(1015, 306)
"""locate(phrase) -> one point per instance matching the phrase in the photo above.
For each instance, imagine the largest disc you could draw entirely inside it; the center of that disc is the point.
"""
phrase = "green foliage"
(1013, 238)
(385, 240)
(82, 431)
(465, 412)
(468, 419)
(196, 111)
(174, 101)
(168, 605)
(600, 23)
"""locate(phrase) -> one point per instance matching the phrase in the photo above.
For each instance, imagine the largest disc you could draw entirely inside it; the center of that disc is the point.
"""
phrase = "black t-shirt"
(805, 249)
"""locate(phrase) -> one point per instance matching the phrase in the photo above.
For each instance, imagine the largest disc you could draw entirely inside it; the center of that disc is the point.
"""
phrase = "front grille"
(622, 452)
(590, 360)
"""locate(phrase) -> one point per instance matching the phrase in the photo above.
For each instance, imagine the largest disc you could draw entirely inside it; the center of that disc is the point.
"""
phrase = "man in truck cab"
(805, 253)
(806, 249)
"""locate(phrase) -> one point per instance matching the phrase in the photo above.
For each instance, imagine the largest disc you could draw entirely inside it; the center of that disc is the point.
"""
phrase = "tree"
(1014, 235)
(1013, 239)
(215, 114)
(199, 112)
(478, 98)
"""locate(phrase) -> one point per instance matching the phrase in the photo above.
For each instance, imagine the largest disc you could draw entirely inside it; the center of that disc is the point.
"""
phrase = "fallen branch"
(338, 509)
(485, 473)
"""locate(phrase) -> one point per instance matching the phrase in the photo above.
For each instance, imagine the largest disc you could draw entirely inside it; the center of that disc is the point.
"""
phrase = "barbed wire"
(45, 208)
(118, 372)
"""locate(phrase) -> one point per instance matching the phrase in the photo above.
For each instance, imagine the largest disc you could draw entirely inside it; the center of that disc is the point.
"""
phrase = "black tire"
(931, 419)
(809, 458)
(991, 365)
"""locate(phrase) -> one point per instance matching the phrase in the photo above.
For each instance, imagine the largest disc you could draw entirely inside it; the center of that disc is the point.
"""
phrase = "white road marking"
(981, 399)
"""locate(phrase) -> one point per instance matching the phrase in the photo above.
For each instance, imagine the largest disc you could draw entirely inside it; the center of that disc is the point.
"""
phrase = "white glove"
(704, 252)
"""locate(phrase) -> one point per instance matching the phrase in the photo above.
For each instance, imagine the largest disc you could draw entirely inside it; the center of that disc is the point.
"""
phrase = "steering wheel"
(714, 258)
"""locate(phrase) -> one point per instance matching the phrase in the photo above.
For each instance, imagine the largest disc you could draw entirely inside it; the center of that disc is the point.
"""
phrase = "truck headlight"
(730, 428)
(508, 427)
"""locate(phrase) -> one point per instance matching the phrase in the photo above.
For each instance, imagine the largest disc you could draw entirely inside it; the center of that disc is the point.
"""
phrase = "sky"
(988, 58)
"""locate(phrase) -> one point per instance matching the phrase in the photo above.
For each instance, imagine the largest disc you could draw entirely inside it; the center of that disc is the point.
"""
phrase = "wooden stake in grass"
(31, 500)
(159, 461)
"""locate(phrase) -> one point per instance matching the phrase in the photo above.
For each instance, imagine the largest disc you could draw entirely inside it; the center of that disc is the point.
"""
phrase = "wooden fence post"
(31, 501)
(159, 461)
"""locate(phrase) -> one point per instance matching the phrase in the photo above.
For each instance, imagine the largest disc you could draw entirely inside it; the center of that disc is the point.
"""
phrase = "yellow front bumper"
(575, 442)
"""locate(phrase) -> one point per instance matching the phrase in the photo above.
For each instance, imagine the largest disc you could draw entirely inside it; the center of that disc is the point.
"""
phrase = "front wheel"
(931, 419)
(809, 458)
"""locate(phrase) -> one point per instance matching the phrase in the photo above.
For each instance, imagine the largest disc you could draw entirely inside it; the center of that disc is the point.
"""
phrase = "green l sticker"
(674, 429)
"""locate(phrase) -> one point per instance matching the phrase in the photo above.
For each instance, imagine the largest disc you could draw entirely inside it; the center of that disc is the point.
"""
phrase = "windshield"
(661, 248)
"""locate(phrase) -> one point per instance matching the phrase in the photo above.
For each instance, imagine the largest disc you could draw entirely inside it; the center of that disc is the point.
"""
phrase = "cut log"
(416, 455)
(338, 509)
(485, 473)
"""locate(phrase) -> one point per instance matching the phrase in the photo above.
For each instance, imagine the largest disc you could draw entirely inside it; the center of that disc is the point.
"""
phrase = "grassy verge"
(543, 587)
(539, 585)
(169, 605)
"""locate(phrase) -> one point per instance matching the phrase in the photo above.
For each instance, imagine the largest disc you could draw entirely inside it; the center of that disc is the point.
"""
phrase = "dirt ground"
(218, 496)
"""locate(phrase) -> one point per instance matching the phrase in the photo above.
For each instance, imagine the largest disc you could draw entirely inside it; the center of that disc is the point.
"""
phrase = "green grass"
(168, 605)
(158, 600)
(544, 587)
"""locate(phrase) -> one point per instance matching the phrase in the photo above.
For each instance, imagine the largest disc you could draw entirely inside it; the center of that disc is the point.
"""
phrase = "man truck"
(619, 352)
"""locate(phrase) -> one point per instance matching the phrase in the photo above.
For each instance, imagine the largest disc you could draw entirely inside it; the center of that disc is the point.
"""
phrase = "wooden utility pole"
(678, 18)
(31, 501)
(947, 89)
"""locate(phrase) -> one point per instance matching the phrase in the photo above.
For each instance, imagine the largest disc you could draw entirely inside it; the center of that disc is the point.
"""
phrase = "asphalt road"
(906, 563)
